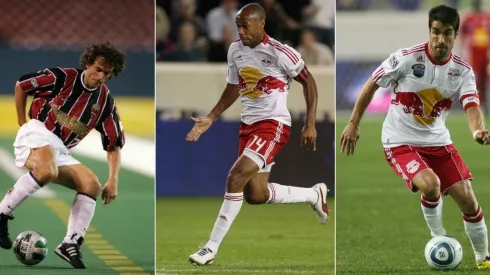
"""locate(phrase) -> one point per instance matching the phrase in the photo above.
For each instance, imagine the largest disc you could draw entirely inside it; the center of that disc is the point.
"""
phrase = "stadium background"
(375, 210)
(39, 34)
(192, 40)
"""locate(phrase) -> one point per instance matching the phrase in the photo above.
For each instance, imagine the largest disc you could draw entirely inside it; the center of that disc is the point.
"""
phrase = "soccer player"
(260, 70)
(475, 37)
(68, 103)
(424, 80)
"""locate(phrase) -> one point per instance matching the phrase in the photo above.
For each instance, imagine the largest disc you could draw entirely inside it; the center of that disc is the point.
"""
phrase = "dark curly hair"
(112, 56)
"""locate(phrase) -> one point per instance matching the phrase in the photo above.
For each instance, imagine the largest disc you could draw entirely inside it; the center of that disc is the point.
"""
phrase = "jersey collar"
(435, 62)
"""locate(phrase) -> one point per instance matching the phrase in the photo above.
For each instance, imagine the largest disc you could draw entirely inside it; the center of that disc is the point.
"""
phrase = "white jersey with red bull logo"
(422, 92)
(263, 74)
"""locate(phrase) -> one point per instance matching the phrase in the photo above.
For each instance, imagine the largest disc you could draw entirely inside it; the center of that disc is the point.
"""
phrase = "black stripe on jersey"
(85, 116)
(107, 111)
(57, 129)
(58, 85)
(71, 100)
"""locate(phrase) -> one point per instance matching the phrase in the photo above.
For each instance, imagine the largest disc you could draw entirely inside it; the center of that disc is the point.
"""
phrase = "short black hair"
(112, 56)
(255, 9)
(446, 15)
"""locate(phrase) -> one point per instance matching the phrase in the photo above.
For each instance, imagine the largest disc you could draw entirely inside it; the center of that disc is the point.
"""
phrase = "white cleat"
(321, 207)
(202, 257)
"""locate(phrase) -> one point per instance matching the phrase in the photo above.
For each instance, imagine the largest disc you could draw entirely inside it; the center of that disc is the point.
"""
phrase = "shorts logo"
(393, 61)
(34, 83)
(413, 166)
(453, 74)
(418, 70)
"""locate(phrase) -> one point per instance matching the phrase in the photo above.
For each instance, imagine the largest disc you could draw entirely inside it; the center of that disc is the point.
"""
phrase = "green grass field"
(380, 226)
(264, 239)
(121, 237)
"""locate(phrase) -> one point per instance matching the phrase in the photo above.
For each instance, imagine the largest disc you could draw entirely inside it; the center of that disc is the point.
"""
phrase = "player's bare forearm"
(311, 95)
(475, 119)
(229, 96)
(20, 104)
(363, 101)
(114, 161)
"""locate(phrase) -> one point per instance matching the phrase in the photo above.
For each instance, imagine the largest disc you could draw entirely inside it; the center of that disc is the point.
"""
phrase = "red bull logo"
(252, 83)
(425, 106)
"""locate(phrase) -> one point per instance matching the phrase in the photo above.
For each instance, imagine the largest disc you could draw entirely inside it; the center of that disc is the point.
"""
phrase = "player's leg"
(474, 222)
(259, 190)
(241, 172)
(78, 177)
(415, 170)
(455, 180)
(42, 165)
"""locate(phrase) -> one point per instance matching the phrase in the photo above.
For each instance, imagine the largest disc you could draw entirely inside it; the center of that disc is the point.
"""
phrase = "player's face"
(248, 29)
(97, 73)
(441, 39)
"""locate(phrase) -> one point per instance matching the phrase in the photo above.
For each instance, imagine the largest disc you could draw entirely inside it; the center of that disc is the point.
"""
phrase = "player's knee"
(237, 177)
(255, 198)
(90, 185)
(430, 185)
(45, 172)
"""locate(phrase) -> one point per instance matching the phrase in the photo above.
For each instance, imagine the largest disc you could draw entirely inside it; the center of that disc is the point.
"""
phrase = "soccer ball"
(30, 247)
(443, 253)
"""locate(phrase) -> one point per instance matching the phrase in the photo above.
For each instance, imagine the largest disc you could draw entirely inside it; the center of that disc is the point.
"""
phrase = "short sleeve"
(290, 60)
(36, 83)
(390, 70)
(468, 94)
(232, 76)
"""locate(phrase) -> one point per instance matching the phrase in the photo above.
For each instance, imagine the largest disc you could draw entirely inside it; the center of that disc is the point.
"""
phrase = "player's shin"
(291, 194)
(25, 187)
(81, 214)
(227, 214)
(476, 229)
(432, 210)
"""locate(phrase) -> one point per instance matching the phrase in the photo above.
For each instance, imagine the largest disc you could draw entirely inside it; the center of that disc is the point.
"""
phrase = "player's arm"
(229, 96)
(471, 105)
(30, 84)
(386, 75)
(113, 139)
(311, 95)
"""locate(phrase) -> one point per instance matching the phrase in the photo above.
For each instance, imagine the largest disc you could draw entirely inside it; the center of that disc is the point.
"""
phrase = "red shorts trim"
(407, 161)
(266, 138)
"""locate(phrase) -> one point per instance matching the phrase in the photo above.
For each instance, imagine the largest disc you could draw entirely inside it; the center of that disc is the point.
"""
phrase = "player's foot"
(484, 265)
(321, 207)
(439, 232)
(5, 241)
(70, 252)
(202, 257)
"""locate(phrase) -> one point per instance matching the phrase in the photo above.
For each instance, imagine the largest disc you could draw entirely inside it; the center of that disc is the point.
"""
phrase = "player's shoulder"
(459, 64)
(279, 48)
(415, 53)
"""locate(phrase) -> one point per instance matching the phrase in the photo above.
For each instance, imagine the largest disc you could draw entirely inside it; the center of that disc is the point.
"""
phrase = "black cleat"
(70, 252)
(5, 241)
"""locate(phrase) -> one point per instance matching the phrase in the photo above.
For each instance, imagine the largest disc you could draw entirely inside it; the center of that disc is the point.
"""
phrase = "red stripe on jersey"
(110, 130)
(102, 101)
(460, 61)
(37, 82)
(414, 49)
(378, 74)
(286, 51)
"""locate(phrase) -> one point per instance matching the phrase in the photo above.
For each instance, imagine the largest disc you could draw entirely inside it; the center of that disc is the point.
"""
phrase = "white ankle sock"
(476, 229)
(432, 210)
(22, 189)
(291, 194)
(227, 214)
(81, 214)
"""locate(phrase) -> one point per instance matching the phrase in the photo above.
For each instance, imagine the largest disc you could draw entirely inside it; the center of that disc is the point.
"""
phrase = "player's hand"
(349, 138)
(482, 137)
(109, 192)
(308, 137)
(202, 125)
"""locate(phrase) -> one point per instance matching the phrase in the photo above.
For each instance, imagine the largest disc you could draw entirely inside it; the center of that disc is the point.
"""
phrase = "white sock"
(291, 194)
(227, 214)
(476, 229)
(22, 189)
(81, 214)
(432, 210)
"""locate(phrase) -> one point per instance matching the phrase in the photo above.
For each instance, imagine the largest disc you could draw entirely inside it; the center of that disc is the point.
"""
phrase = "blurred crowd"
(403, 5)
(202, 30)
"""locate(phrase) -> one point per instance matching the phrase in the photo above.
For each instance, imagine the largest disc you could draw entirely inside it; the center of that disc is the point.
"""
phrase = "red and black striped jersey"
(71, 110)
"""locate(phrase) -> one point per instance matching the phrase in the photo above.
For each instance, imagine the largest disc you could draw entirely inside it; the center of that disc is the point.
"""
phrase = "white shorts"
(34, 134)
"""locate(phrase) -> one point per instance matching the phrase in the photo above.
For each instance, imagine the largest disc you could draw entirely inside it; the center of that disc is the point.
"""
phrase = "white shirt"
(422, 91)
(263, 75)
